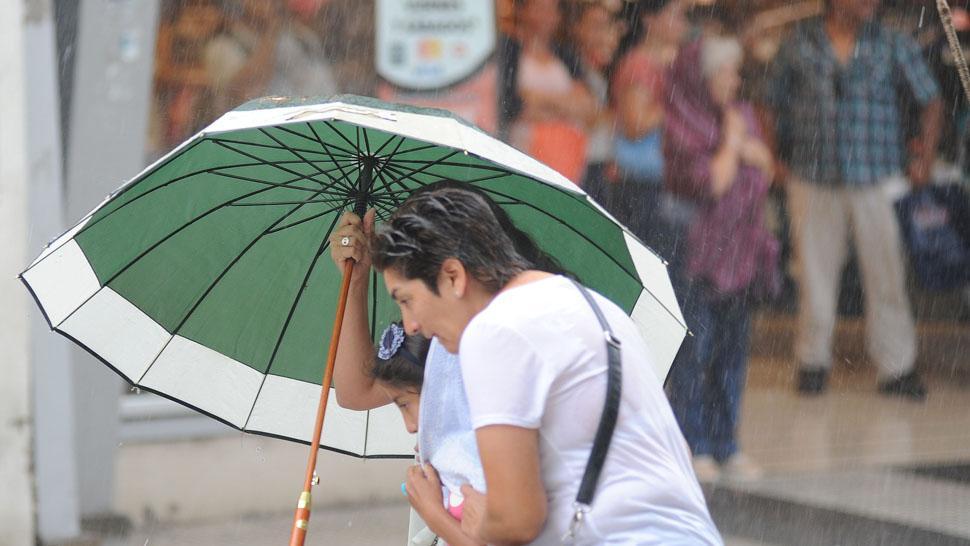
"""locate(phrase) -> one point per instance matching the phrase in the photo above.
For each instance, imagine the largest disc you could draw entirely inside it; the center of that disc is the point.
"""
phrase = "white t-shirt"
(536, 358)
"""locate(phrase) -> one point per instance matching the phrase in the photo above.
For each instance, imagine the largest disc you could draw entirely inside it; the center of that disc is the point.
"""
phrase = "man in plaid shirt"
(833, 98)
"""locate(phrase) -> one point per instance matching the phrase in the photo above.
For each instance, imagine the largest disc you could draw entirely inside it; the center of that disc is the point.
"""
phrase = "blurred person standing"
(717, 160)
(545, 97)
(595, 33)
(835, 88)
(638, 87)
(301, 67)
(239, 59)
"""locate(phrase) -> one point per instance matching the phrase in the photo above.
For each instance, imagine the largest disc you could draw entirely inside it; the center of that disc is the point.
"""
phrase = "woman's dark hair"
(405, 368)
(447, 222)
(524, 245)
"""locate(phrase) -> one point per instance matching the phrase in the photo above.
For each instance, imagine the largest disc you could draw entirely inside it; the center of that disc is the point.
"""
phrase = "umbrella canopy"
(206, 278)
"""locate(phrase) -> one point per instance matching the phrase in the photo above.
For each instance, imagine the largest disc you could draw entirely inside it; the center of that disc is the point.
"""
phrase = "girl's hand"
(423, 487)
(472, 511)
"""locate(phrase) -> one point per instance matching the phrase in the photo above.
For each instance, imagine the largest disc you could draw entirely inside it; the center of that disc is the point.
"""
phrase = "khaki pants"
(822, 219)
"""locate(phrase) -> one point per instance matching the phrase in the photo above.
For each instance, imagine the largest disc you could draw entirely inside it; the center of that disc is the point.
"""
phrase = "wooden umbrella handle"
(301, 518)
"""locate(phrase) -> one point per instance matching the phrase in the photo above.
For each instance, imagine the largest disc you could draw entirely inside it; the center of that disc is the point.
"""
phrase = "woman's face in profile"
(424, 312)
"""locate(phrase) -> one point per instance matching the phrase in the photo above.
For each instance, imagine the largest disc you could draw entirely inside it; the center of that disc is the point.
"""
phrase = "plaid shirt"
(843, 124)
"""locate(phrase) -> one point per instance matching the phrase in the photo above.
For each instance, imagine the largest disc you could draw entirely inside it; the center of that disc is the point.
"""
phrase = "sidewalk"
(847, 467)
(379, 525)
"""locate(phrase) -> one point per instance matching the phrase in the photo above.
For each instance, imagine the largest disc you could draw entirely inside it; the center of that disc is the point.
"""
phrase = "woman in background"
(638, 89)
(717, 160)
(595, 32)
(552, 105)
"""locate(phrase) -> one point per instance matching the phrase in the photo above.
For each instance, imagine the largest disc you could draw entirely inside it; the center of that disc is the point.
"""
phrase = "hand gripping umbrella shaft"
(301, 518)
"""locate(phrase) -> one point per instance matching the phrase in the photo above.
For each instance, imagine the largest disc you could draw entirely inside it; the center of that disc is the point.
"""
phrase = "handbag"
(604, 431)
(640, 159)
(935, 223)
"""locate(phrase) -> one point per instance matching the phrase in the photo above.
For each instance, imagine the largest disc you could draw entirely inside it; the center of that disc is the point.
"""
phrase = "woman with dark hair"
(657, 28)
(446, 417)
(595, 33)
(533, 361)
(552, 106)
(720, 163)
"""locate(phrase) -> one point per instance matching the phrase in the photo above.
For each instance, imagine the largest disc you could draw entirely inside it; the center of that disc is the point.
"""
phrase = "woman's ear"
(452, 279)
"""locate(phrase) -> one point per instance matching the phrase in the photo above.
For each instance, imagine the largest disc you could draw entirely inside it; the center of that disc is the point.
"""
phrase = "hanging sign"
(431, 44)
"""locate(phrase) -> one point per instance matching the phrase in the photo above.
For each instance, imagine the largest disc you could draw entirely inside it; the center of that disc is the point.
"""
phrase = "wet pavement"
(847, 467)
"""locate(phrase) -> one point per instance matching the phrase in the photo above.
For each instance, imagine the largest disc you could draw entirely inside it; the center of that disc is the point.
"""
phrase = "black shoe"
(811, 381)
(905, 386)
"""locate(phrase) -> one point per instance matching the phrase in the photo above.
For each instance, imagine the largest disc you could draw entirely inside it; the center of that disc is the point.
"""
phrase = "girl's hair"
(401, 364)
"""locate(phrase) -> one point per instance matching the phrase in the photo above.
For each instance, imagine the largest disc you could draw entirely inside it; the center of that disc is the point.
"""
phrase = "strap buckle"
(611, 339)
(579, 517)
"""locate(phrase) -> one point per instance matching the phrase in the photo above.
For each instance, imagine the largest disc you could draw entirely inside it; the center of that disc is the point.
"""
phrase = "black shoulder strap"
(611, 409)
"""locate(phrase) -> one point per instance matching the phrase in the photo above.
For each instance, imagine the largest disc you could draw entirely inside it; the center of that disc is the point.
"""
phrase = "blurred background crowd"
(637, 102)
(800, 164)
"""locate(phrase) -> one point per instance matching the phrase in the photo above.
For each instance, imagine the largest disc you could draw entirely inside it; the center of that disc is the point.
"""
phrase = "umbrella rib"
(390, 193)
(236, 260)
(420, 149)
(326, 148)
(348, 157)
(310, 218)
(366, 143)
(387, 160)
(186, 226)
(201, 298)
(294, 152)
(275, 166)
(167, 237)
(384, 208)
(349, 154)
(305, 176)
(189, 175)
(440, 178)
(172, 156)
(311, 201)
(212, 286)
(428, 165)
(285, 185)
(341, 135)
(296, 302)
(388, 141)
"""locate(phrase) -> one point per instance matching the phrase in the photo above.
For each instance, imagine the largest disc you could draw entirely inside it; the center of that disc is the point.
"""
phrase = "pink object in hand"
(455, 504)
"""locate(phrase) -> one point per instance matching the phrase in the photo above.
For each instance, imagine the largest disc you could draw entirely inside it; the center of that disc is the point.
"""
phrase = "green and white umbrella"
(207, 278)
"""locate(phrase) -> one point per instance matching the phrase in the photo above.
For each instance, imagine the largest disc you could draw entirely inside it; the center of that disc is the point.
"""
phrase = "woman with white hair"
(716, 160)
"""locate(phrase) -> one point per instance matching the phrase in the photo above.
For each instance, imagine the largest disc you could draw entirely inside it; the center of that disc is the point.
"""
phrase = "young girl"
(445, 439)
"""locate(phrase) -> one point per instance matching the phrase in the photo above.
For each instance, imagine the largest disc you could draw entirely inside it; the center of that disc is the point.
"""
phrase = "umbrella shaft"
(364, 183)
(301, 519)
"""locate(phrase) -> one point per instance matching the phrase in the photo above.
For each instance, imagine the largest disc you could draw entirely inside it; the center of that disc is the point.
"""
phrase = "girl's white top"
(445, 435)
(536, 358)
